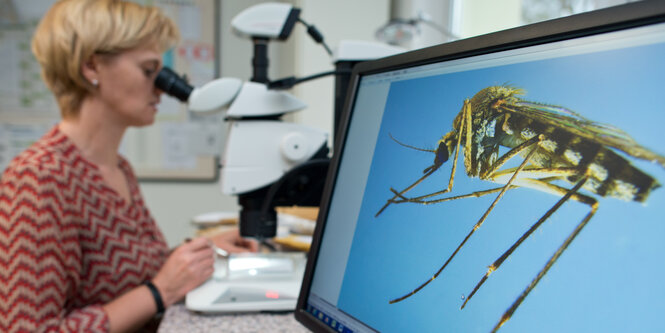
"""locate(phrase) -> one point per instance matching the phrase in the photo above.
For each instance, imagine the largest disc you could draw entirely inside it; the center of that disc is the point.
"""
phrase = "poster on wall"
(178, 146)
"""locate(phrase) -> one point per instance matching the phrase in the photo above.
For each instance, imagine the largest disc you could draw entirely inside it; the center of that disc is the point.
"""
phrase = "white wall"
(337, 20)
(484, 16)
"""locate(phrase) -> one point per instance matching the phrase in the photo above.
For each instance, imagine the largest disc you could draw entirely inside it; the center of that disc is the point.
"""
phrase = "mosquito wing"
(604, 134)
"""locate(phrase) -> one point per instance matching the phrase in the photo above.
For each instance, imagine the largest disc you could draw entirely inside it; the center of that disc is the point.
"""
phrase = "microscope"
(267, 162)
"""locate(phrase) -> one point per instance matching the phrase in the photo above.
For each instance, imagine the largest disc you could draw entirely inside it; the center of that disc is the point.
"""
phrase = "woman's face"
(126, 85)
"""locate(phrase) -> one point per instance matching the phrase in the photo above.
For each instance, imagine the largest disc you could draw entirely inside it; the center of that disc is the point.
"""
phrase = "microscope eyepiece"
(172, 84)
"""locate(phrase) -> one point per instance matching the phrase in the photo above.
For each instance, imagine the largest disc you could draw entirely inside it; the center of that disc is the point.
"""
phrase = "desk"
(178, 319)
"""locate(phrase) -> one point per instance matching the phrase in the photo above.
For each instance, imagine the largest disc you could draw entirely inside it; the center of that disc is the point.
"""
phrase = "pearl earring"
(95, 82)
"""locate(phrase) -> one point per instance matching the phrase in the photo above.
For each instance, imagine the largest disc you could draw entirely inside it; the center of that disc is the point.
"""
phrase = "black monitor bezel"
(596, 22)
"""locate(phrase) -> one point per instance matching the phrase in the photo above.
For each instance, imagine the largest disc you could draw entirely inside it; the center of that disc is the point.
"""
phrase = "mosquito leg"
(476, 194)
(475, 227)
(389, 201)
(506, 316)
(495, 265)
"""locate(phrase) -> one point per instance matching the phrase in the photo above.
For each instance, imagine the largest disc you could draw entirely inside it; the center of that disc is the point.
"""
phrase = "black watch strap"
(157, 296)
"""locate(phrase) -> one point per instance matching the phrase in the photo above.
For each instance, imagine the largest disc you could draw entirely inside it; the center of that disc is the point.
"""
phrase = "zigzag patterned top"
(68, 242)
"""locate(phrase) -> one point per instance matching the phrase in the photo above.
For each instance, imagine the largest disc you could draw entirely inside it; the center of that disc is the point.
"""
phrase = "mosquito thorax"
(491, 98)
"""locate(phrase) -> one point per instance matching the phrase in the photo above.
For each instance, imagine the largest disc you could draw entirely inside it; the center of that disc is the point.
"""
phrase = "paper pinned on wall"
(22, 92)
(189, 18)
(177, 152)
(205, 137)
(169, 109)
(188, 152)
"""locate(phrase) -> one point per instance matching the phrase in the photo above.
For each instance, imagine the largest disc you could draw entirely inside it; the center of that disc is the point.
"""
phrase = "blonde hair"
(73, 30)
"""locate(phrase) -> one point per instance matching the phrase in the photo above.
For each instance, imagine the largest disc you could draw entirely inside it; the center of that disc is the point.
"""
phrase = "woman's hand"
(189, 265)
(232, 242)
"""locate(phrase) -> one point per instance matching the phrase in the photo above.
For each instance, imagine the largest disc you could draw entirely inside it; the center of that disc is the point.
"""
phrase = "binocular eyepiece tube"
(172, 84)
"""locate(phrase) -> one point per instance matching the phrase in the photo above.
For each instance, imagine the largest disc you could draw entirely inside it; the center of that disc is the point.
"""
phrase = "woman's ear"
(89, 70)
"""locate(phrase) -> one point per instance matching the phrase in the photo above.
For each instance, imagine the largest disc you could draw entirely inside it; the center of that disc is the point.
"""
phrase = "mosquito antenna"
(409, 146)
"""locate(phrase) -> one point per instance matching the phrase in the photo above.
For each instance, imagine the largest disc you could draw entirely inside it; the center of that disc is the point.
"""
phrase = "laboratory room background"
(177, 159)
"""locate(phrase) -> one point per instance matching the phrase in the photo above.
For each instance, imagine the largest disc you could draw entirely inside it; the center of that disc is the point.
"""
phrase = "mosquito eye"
(441, 154)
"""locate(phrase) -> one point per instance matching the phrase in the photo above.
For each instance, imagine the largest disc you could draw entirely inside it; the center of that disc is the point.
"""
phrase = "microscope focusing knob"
(294, 147)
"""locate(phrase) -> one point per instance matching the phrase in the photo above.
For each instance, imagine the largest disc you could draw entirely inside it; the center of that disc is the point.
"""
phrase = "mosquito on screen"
(561, 151)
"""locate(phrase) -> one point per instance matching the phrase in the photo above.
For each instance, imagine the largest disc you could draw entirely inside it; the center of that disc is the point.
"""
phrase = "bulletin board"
(179, 146)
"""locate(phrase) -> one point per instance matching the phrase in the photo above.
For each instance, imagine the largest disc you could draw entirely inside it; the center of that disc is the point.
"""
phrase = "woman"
(78, 248)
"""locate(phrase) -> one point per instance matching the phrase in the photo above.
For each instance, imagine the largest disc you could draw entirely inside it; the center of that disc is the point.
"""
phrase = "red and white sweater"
(68, 242)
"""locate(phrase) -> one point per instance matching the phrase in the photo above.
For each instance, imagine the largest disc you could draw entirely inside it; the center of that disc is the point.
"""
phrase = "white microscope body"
(268, 162)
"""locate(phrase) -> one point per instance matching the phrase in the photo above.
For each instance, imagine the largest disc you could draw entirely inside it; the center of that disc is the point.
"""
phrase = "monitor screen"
(510, 182)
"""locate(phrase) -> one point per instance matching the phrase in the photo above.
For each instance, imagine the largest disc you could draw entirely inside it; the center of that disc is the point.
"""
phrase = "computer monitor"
(510, 182)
